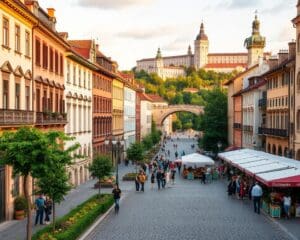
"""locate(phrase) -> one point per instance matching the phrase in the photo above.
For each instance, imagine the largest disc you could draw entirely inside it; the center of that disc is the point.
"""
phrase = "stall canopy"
(269, 169)
(197, 160)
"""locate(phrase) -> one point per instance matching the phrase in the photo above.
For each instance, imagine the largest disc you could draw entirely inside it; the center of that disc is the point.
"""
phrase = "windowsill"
(6, 47)
(27, 57)
(18, 52)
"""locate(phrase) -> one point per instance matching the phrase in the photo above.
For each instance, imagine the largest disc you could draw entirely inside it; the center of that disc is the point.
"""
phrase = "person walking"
(142, 179)
(158, 178)
(117, 195)
(48, 210)
(173, 176)
(152, 180)
(256, 194)
(40, 208)
(286, 205)
(163, 179)
(203, 177)
(137, 183)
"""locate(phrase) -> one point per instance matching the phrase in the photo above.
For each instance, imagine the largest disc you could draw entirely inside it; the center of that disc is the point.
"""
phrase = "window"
(38, 52)
(84, 79)
(5, 94)
(38, 100)
(45, 56)
(56, 62)
(56, 102)
(61, 65)
(51, 59)
(51, 102)
(68, 72)
(5, 32)
(298, 120)
(27, 98)
(27, 43)
(45, 101)
(17, 38)
(298, 82)
(79, 77)
(17, 94)
(74, 75)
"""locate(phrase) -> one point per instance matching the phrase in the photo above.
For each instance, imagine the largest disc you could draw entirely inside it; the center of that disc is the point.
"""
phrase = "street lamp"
(219, 145)
(116, 146)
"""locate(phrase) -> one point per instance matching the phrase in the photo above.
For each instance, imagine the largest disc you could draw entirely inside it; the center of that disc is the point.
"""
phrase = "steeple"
(202, 35)
(255, 25)
(158, 54)
(189, 50)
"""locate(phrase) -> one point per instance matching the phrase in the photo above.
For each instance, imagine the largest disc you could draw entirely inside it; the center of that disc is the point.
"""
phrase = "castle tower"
(159, 64)
(201, 49)
(255, 44)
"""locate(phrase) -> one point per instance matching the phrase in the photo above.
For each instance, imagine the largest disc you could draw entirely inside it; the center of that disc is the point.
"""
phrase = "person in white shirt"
(286, 205)
(256, 194)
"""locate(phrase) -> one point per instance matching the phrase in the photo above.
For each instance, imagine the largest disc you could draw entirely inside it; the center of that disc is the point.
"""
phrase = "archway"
(298, 155)
(70, 178)
(286, 152)
(86, 172)
(279, 151)
(269, 148)
(274, 149)
(76, 177)
(81, 175)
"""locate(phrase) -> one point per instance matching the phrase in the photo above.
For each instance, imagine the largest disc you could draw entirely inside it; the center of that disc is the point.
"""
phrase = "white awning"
(196, 160)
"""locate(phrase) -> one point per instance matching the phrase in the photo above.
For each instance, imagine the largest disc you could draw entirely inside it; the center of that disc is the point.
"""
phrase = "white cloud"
(244, 3)
(148, 33)
(112, 4)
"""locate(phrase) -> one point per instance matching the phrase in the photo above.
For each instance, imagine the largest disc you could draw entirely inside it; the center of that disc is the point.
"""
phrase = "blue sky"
(128, 30)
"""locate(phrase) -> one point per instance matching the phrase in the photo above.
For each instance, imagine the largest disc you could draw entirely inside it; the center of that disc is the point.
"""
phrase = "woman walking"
(152, 180)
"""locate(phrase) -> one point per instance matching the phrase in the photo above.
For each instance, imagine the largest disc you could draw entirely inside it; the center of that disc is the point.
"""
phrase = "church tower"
(255, 44)
(201, 49)
(159, 63)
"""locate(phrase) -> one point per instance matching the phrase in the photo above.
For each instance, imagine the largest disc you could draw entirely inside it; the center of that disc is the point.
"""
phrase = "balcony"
(46, 118)
(16, 117)
(262, 103)
(247, 128)
(237, 126)
(273, 132)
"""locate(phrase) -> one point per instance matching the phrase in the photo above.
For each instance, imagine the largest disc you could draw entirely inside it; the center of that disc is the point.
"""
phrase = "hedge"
(73, 224)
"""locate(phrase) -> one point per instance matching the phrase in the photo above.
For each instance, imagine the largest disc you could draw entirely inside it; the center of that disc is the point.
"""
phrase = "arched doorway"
(76, 177)
(274, 149)
(286, 152)
(81, 175)
(70, 178)
(269, 148)
(86, 172)
(298, 155)
(279, 150)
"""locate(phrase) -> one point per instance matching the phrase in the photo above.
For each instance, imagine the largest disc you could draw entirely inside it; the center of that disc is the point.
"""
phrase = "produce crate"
(275, 211)
(265, 207)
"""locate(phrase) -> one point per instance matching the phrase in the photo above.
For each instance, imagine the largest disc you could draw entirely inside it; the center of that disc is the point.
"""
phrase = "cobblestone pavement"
(186, 211)
(15, 230)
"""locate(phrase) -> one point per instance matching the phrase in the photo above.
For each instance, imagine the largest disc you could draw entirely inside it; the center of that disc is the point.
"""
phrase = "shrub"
(129, 176)
(20, 203)
(72, 225)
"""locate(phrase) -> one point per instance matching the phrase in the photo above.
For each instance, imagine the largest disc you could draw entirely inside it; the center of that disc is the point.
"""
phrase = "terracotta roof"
(281, 65)
(241, 74)
(251, 87)
(228, 54)
(144, 97)
(225, 65)
(82, 47)
(127, 75)
(156, 98)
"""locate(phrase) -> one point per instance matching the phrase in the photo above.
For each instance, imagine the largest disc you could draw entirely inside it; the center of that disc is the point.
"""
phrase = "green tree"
(147, 142)
(135, 153)
(214, 120)
(176, 125)
(101, 168)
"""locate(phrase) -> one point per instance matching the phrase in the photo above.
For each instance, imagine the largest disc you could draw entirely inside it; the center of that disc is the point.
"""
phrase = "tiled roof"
(82, 47)
(251, 87)
(156, 98)
(144, 97)
(241, 74)
(225, 65)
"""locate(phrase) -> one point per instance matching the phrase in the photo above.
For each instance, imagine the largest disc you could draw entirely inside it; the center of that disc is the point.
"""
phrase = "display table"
(190, 176)
(297, 210)
(265, 207)
(275, 211)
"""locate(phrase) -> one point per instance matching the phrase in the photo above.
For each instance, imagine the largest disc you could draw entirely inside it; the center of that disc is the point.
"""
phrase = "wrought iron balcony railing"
(273, 132)
(44, 118)
(16, 117)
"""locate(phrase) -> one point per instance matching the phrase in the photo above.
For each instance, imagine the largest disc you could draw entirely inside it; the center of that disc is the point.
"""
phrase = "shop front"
(2, 193)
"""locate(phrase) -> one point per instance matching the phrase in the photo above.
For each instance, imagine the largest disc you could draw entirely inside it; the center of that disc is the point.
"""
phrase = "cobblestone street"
(187, 210)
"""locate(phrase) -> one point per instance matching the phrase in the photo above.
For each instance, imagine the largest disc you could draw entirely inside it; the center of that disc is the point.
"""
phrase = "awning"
(197, 160)
(269, 169)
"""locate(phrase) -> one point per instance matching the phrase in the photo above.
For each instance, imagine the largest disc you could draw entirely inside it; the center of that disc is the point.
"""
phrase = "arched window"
(298, 120)
(298, 81)
(298, 43)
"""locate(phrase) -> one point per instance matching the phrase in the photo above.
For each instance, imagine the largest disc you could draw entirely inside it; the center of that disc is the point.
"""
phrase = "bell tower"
(201, 49)
(255, 43)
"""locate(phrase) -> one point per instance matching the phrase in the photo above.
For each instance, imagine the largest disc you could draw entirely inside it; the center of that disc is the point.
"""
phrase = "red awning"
(285, 182)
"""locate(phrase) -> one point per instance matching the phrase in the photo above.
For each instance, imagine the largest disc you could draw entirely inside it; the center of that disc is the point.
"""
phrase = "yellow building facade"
(118, 108)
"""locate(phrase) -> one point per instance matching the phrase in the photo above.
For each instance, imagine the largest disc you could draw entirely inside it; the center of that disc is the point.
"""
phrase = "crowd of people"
(43, 205)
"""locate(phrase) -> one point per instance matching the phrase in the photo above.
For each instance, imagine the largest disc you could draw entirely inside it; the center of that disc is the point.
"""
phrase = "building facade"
(16, 83)
(173, 66)
(78, 93)
(146, 114)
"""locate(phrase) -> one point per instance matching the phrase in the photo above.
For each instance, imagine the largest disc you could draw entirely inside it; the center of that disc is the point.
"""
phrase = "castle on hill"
(174, 66)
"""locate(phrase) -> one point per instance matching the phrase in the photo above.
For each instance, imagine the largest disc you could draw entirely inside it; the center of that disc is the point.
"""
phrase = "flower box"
(265, 207)
(275, 211)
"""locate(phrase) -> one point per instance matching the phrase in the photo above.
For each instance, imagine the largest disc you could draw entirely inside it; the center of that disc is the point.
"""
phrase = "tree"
(30, 152)
(101, 168)
(176, 125)
(135, 153)
(54, 183)
(214, 120)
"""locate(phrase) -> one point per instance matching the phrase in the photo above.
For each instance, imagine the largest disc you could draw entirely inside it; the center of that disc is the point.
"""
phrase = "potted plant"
(20, 205)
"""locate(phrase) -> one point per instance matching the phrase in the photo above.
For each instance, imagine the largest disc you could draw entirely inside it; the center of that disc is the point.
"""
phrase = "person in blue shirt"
(40, 208)
(256, 194)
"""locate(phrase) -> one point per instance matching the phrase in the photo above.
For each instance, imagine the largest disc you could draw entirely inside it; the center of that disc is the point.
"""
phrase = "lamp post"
(116, 146)
(219, 145)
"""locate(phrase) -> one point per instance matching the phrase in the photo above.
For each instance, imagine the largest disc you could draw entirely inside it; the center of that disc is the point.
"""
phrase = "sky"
(129, 30)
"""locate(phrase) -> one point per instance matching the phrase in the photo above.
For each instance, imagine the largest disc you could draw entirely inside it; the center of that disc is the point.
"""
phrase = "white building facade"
(78, 82)
(129, 116)
(146, 115)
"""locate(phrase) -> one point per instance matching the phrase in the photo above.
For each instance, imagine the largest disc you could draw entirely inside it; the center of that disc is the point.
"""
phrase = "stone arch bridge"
(160, 113)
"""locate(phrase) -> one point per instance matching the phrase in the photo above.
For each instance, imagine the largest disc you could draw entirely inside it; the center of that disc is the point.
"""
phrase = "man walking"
(256, 194)
(158, 178)
(40, 208)
(117, 195)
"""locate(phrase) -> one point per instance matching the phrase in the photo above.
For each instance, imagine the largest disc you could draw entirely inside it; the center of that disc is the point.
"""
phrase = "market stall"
(278, 175)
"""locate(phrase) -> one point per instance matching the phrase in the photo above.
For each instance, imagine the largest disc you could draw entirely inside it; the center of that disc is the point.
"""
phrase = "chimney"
(97, 46)
(282, 56)
(64, 35)
(292, 49)
(51, 12)
(273, 62)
